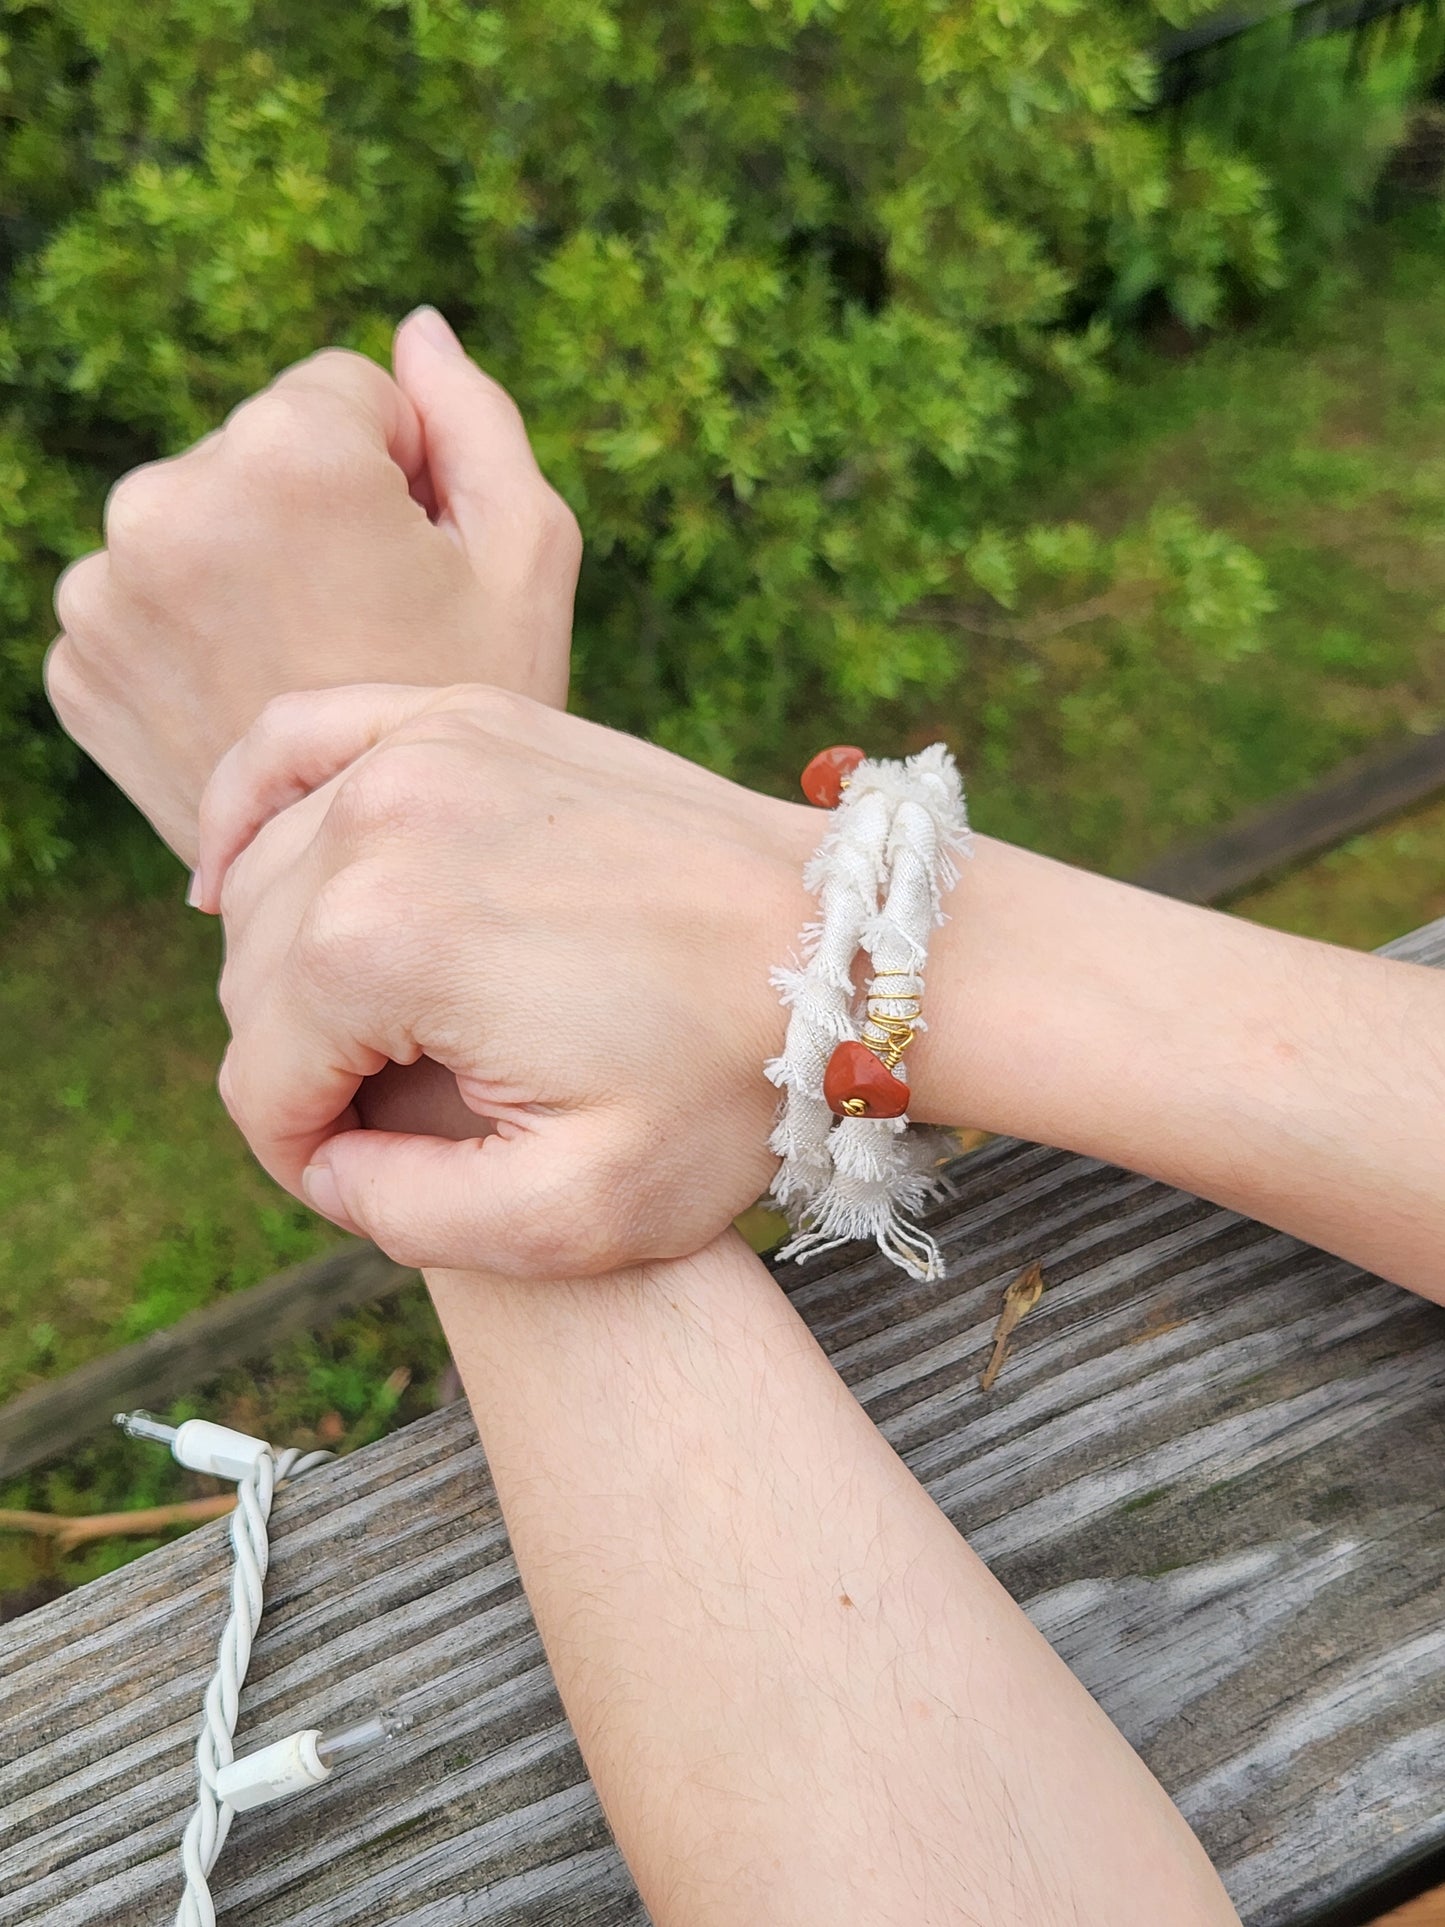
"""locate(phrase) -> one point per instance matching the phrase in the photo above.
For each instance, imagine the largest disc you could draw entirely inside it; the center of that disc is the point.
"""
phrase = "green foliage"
(1096, 726)
(775, 283)
(782, 285)
(1320, 117)
(1204, 665)
(39, 528)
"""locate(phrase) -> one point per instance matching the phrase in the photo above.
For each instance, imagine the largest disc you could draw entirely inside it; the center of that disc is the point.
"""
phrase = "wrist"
(991, 983)
(1042, 996)
(515, 1338)
(1071, 1009)
(1023, 971)
(991, 988)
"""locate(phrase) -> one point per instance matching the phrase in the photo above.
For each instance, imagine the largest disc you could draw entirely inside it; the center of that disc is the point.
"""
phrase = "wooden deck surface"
(1210, 1471)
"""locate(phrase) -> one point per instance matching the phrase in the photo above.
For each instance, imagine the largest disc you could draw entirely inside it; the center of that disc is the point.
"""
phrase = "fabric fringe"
(890, 854)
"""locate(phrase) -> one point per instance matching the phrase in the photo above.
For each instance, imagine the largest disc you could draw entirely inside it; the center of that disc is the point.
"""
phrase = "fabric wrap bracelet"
(851, 1166)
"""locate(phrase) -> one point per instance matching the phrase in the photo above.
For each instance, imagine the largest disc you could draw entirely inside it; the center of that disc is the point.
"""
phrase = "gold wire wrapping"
(897, 1030)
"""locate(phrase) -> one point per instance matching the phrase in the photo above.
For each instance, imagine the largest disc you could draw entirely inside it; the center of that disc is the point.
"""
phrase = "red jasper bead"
(855, 1075)
(823, 778)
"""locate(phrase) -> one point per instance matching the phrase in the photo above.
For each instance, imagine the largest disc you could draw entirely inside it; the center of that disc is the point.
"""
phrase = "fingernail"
(435, 330)
(318, 1181)
(195, 889)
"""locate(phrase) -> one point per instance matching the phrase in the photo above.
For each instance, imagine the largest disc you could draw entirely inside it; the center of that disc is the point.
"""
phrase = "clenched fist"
(340, 527)
(576, 925)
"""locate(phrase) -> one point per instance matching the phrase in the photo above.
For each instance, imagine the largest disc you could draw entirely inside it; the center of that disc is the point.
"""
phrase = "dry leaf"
(1020, 1298)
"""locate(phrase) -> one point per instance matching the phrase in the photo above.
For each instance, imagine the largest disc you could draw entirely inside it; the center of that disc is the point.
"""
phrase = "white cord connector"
(300, 1761)
(198, 1444)
(289, 1766)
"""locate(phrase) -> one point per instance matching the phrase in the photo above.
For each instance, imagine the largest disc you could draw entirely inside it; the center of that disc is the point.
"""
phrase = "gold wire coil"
(897, 1031)
(896, 1028)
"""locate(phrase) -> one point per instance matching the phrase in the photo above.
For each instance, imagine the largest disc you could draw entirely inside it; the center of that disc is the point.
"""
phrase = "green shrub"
(777, 285)
(40, 527)
(1320, 117)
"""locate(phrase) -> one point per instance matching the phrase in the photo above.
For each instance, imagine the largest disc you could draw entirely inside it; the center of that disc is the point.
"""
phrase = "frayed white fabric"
(880, 875)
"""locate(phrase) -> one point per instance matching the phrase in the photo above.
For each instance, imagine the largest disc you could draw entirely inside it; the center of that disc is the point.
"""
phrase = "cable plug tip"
(145, 1425)
(334, 1749)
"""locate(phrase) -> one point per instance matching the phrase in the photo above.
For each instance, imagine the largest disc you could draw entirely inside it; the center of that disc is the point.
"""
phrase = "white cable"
(206, 1830)
(257, 1470)
(880, 874)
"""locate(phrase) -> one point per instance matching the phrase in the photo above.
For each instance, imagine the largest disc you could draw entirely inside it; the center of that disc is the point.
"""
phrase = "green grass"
(125, 1197)
(127, 1200)
(1370, 889)
(1322, 447)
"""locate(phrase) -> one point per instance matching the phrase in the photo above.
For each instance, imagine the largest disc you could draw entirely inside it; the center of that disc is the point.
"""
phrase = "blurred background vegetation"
(1022, 373)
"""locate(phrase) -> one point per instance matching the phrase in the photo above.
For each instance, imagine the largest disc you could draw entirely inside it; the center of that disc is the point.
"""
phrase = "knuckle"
(507, 406)
(547, 541)
(80, 595)
(558, 538)
(287, 439)
(226, 997)
(236, 1089)
(230, 1085)
(71, 694)
(338, 367)
(301, 430)
(140, 511)
(282, 717)
(268, 429)
(502, 712)
(369, 797)
(404, 785)
(349, 929)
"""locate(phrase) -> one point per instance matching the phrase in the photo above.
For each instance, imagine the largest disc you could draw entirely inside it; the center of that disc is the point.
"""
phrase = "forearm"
(801, 1697)
(1299, 1083)
(1296, 1082)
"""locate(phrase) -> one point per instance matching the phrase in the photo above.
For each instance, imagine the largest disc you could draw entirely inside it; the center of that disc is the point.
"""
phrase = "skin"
(1297, 1082)
(336, 528)
(801, 1697)
(593, 1160)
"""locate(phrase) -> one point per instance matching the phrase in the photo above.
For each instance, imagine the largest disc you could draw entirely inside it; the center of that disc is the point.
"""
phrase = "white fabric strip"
(888, 858)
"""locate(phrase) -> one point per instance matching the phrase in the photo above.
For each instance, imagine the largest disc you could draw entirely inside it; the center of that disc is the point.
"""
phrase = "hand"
(341, 526)
(577, 925)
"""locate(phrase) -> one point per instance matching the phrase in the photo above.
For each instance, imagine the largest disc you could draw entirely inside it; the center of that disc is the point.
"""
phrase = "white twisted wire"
(209, 1824)
(880, 874)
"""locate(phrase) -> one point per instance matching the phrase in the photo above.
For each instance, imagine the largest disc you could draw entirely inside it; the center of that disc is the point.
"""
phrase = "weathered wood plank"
(1355, 798)
(1210, 1469)
(49, 1420)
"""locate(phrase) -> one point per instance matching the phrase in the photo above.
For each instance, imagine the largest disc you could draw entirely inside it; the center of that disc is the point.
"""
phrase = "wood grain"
(1355, 798)
(1210, 1470)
